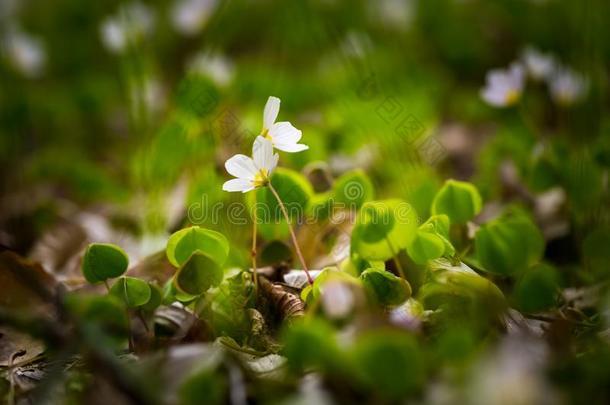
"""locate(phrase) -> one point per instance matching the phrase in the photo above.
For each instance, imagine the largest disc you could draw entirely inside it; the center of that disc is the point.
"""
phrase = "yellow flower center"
(261, 178)
(265, 134)
(512, 97)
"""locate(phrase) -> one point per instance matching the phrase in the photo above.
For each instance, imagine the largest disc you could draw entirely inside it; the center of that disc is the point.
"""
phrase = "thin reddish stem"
(292, 234)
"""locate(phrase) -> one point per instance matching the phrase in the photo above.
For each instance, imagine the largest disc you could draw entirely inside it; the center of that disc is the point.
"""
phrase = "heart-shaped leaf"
(390, 362)
(133, 291)
(508, 244)
(294, 191)
(103, 261)
(427, 245)
(353, 189)
(459, 200)
(182, 244)
(383, 228)
(385, 288)
(537, 289)
(198, 274)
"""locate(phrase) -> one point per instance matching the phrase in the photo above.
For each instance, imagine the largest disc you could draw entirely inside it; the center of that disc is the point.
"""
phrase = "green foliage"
(385, 288)
(389, 362)
(274, 253)
(294, 191)
(103, 261)
(104, 312)
(596, 250)
(198, 274)
(508, 244)
(537, 289)
(312, 292)
(132, 291)
(459, 291)
(459, 200)
(206, 386)
(182, 244)
(310, 343)
(352, 189)
(383, 228)
(431, 240)
(156, 298)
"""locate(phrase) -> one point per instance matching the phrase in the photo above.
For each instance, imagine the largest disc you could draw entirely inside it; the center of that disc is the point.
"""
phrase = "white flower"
(252, 172)
(282, 134)
(26, 53)
(539, 65)
(132, 22)
(189, 16)
(213, 65)
(567, 86)
(504, 87)
(337, 299)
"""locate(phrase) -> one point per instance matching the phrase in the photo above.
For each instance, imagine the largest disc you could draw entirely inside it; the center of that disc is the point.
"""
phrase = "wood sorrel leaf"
(390, 361)
(353, 189)
(459, 200)
(385, 288)
(383, 228)
(427, 245)
(132, 291)
(156, 296)
(459, 289)
(508, 244)
(294, 191)
(103, 261)
(198, 274)
(182, 244)
(310, 343)
(537, 289)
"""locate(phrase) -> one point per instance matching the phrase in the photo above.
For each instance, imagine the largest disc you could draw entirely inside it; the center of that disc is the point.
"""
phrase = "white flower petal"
(241, 166)
(284, 132)
(493, 96)
(262, 152)
(242, 185)
(272, 109)
(292, 147)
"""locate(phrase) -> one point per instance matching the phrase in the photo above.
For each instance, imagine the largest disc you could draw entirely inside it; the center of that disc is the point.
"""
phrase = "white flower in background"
(252, 172)
(130, 24)
(567, 87)
(503, 88)
(283, 135)
(539, 65)
(189, 16)
(26, 53)
(147, 94)
(337, 299)
(215, 66)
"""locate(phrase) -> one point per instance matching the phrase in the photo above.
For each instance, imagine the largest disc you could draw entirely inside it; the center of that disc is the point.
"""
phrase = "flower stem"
(253, 251)
(294, 237)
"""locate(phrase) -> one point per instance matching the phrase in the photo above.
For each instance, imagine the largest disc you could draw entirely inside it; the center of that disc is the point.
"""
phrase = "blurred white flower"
(215, 66)
(298, 278)
(538, 65)
(129, 25)
(26, 53)
(283, 135)
(398, 14)
(408, 316)
(189, 16)
(503, 88)
(337, 299)
(567, 86)
(512, 375)
(252, 172)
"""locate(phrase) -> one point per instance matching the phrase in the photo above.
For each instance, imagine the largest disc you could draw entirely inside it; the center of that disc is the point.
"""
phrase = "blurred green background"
(136, 105)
